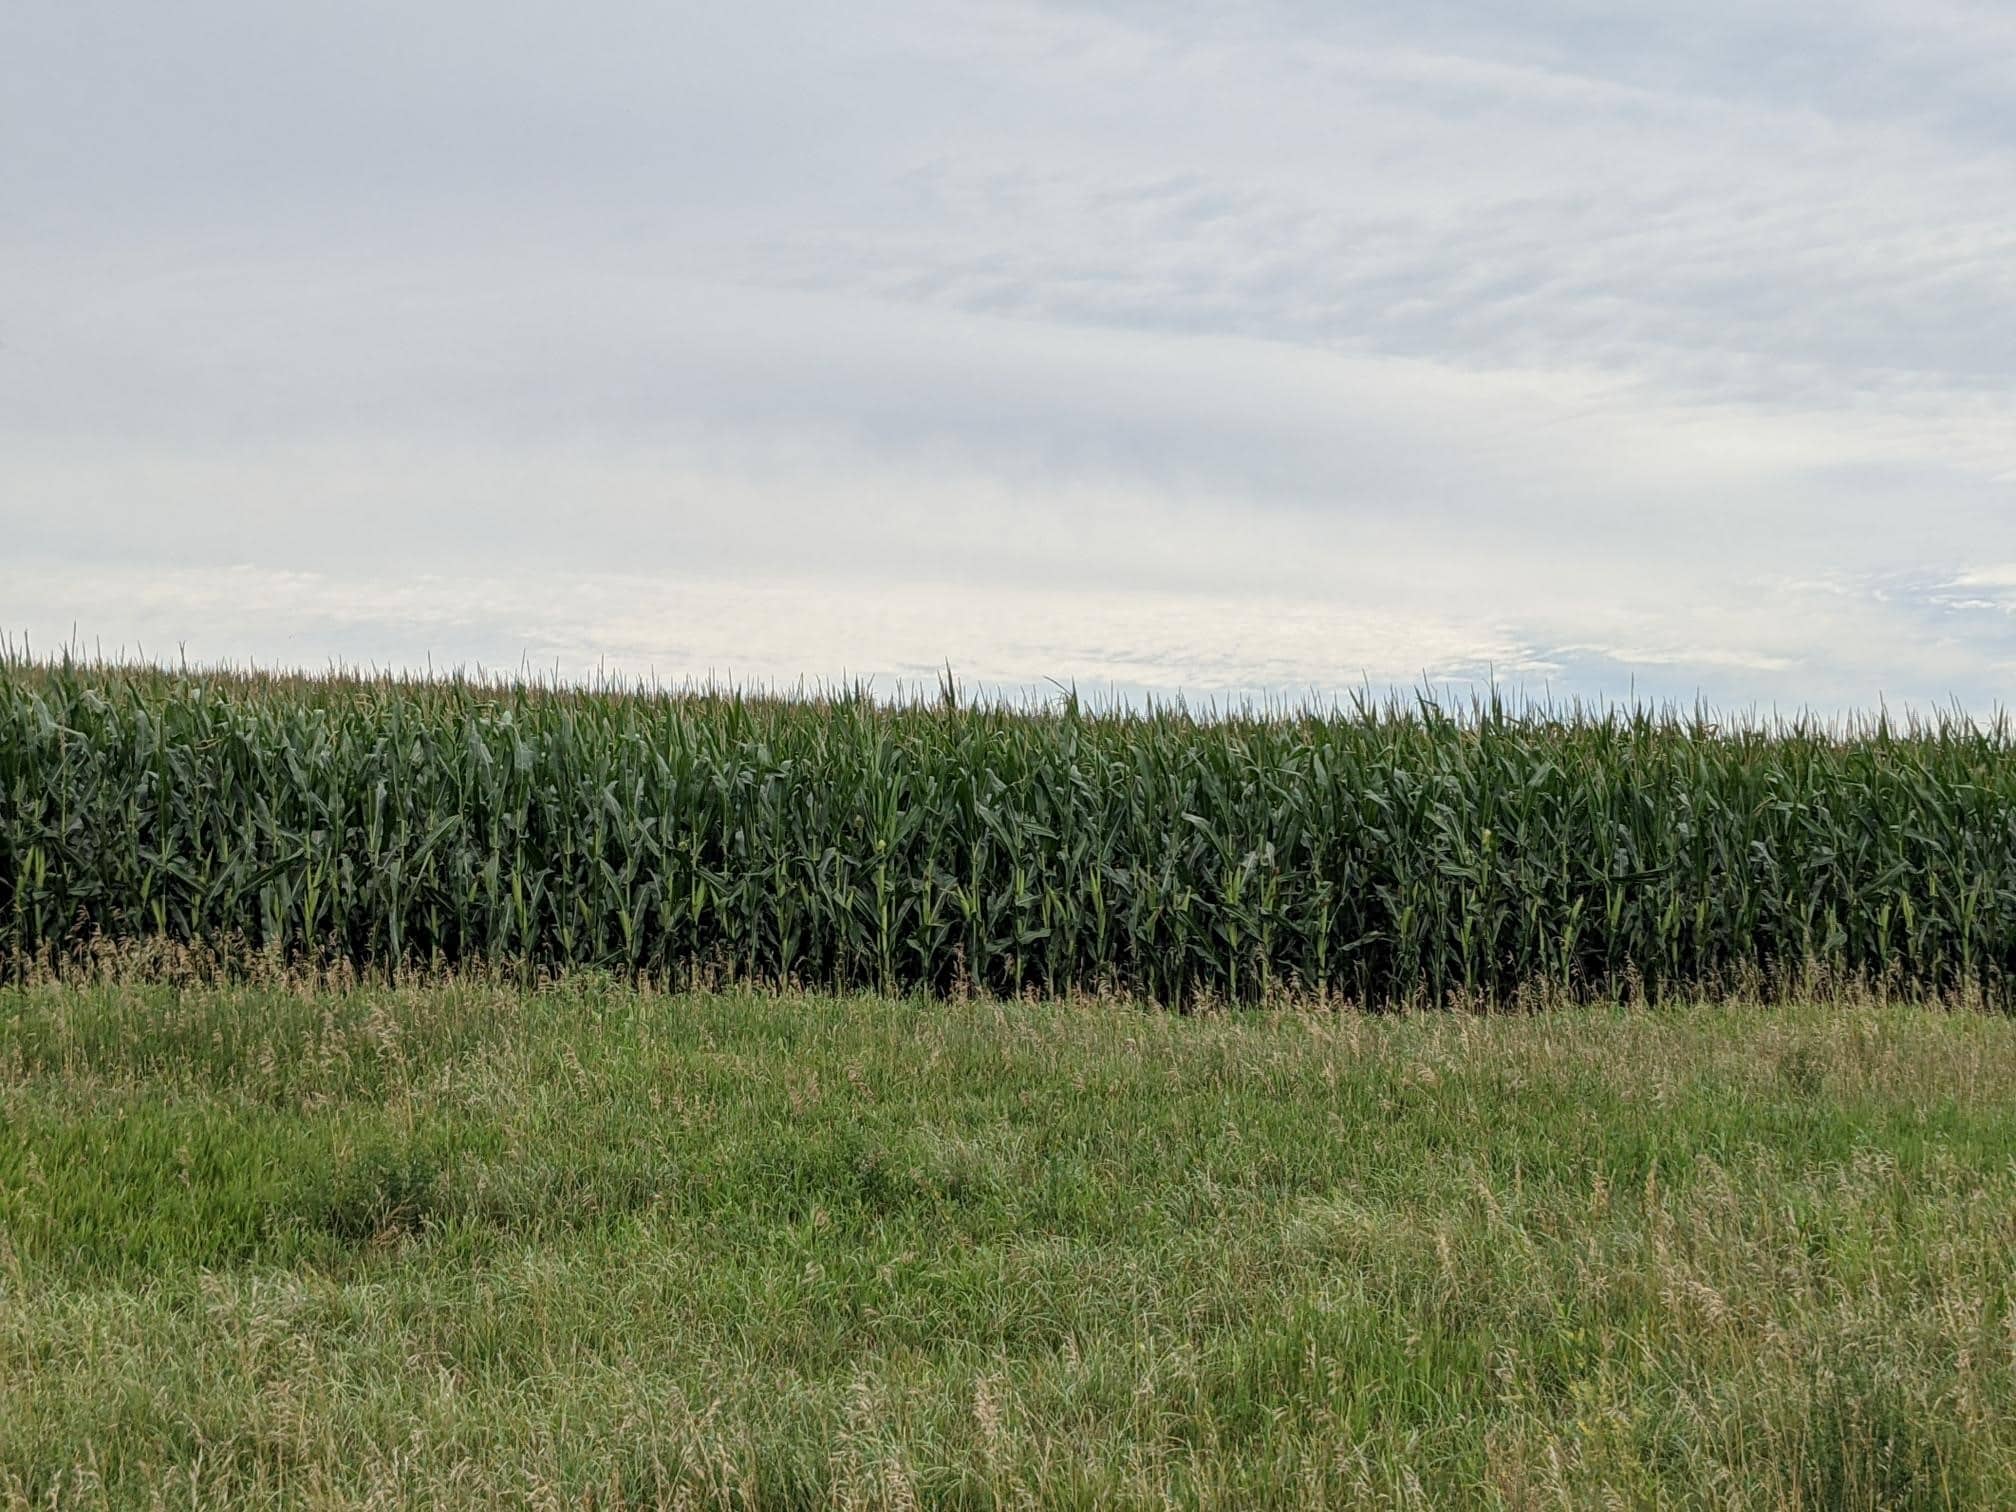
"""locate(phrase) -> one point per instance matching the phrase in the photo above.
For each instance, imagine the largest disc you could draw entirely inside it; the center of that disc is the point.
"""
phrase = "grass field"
(467, 1243)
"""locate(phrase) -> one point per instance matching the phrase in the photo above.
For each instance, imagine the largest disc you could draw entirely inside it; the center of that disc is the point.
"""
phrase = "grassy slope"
(467, 1244)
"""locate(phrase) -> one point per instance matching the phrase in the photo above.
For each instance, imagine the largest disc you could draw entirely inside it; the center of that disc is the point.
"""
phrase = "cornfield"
(1395, 851)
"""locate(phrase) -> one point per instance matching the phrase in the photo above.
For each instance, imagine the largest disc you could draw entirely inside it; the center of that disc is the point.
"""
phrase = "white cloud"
(1175, 346)
(774, 630)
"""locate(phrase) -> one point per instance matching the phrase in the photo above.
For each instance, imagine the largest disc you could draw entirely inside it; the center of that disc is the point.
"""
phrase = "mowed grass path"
(465, 1244)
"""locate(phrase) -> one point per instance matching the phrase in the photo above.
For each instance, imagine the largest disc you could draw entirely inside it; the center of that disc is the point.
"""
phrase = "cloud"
(774, 631)
(1175, 346)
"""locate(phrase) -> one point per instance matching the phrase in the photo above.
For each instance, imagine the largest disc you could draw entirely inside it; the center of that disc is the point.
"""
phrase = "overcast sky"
(1229, 349)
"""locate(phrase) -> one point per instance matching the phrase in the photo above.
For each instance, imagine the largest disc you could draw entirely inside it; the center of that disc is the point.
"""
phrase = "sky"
(1273, 349)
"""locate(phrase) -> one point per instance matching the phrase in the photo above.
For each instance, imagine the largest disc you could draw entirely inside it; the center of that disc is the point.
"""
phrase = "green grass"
(467, 1244)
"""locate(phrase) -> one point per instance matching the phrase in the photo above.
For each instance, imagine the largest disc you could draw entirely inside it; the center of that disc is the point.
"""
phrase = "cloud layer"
(1157, 347)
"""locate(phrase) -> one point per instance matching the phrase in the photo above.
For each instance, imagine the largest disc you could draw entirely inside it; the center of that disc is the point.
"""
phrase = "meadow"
(1381, 853)
(462, 1243)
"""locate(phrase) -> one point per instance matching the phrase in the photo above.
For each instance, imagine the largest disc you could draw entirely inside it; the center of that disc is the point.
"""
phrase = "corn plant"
(1383, 851)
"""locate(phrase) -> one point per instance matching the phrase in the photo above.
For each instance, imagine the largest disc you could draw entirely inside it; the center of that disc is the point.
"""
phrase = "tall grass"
(1387, 851)
(461, 1245)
